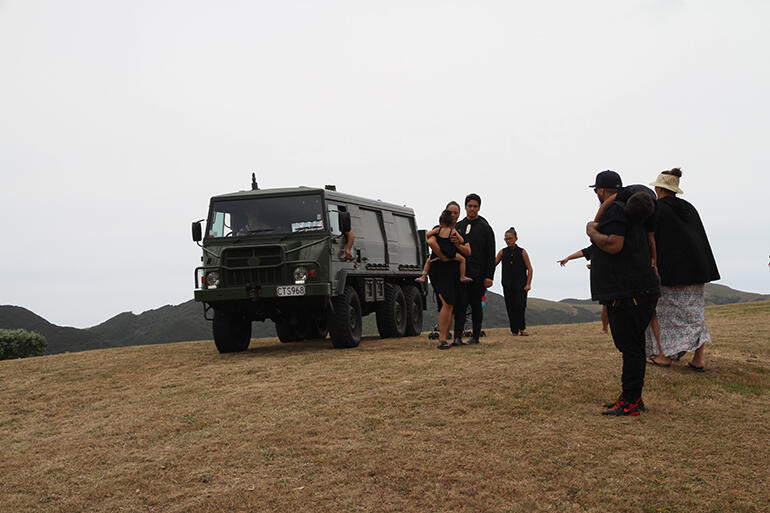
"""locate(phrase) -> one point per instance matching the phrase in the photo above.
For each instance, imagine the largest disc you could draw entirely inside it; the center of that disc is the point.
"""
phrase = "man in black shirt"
(622, 277)
(480, 266)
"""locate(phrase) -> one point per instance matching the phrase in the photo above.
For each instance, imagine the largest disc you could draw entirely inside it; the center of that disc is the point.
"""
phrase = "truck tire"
(287, 332)
(232, 333)
(413, 300)
(346, 323)
(391, 313)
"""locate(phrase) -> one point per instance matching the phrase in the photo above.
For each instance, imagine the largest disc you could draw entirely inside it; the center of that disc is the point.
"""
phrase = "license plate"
(290, 290)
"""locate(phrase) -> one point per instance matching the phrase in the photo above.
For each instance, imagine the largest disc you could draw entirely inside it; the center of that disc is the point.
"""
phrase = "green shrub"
(21, 344)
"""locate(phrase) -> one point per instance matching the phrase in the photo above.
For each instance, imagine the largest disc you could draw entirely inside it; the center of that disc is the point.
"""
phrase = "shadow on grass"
(307, 346)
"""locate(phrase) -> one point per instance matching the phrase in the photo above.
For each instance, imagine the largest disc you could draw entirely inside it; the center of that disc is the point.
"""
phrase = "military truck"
(279, 254)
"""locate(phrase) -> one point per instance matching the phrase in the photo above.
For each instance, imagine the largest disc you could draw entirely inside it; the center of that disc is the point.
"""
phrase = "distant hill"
(177, 323)
(714, 293)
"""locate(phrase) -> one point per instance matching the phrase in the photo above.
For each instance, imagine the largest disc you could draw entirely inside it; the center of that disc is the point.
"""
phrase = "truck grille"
(252, 276)
(260, 265)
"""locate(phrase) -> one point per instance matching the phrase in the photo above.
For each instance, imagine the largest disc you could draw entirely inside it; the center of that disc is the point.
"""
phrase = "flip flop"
(695, 367)
(651, 360)
(444, 345)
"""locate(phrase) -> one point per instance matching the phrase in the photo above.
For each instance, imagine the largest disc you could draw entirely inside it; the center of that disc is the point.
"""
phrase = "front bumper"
(252, 293)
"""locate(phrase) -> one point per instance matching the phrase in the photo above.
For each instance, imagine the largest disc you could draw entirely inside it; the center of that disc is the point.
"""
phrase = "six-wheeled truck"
(280, 254)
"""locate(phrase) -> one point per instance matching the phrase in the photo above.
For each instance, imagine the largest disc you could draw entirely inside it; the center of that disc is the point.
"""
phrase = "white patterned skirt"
(682, 321)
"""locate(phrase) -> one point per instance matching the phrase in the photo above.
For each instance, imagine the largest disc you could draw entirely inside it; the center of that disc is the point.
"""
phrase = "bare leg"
(605, 319)
(660, 357)
(699, 358)
(461, 259)
(425, 271)
(445, 318)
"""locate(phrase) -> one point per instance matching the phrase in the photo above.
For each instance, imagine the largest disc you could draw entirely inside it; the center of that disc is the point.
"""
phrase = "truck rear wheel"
(391, 313)
(413, 300)
(346, 323)
(232, 332)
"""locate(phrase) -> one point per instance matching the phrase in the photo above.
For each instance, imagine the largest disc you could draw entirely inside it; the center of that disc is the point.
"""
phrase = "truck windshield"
(255, 216)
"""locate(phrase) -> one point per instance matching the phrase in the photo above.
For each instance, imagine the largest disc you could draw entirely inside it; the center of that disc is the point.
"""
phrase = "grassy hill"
(175, 323)
(510, 425)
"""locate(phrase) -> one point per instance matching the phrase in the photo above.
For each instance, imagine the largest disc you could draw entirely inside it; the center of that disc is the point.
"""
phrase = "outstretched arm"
(573, 256)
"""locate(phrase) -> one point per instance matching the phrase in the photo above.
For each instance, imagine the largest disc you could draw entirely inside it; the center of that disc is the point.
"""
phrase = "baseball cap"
(607, 180)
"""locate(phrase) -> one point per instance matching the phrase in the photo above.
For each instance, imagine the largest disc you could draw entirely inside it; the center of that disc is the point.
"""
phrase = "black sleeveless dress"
(445, 276)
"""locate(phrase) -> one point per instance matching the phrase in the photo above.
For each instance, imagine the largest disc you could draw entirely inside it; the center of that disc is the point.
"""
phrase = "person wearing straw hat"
(685, 263)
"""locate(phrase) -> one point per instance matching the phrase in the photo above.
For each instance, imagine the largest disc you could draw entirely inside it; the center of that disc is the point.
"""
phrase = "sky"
(118, 121)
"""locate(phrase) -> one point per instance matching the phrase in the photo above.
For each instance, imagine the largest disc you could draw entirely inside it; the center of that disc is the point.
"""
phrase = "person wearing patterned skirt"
(685, 263)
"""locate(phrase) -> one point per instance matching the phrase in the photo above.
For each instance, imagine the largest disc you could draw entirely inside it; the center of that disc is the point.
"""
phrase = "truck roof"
(332, 195)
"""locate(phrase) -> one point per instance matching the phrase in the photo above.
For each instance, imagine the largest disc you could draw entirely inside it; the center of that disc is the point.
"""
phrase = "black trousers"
(628, 320)
(469, 293)
(516, 305)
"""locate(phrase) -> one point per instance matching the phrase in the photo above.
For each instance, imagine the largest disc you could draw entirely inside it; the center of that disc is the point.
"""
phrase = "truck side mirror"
(344, 221)
(197, 235)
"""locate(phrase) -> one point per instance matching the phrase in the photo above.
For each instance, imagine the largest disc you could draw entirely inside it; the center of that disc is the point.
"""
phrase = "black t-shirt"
(629, 273)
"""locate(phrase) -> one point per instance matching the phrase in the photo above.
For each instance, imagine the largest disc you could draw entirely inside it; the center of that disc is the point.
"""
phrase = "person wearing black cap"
(622, 277)
(480, 266)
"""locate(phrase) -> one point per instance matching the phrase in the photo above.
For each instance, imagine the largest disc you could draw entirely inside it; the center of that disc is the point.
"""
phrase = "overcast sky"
(118, 120)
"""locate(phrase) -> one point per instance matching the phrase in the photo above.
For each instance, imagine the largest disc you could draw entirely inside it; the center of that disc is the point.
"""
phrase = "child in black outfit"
(517, 280)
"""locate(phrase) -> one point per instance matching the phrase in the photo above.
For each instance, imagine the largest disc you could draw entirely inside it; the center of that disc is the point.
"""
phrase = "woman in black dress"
(444, 274)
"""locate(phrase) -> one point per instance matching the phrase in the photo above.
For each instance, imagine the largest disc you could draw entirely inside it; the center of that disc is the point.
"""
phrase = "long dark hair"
(446, 218)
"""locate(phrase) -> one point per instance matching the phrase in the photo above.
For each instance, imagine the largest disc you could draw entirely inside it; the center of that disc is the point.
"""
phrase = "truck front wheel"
(346, 323)
(391, 313)
(232, 332)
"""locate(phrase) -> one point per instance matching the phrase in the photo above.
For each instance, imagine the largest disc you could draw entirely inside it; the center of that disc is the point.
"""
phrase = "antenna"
(254, 186)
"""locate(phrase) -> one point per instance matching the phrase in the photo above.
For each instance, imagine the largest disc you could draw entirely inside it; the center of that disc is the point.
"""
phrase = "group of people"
(462, 267)
(649, 260)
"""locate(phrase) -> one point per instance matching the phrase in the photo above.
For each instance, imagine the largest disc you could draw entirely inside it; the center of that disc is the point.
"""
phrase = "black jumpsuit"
(514, 280)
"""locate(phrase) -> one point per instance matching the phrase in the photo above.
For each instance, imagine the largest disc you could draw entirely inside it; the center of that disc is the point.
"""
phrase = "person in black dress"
(445, 274)
(517, 280)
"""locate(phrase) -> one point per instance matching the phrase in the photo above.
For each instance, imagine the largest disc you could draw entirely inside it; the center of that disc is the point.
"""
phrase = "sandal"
(695, 367)
(651, 359)
(444, 345)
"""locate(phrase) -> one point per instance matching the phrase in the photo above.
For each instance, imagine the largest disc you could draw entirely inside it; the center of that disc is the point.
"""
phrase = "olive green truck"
(279, 254)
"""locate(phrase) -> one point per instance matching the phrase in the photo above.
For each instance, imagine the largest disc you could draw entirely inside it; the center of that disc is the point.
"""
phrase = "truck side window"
(220, 225)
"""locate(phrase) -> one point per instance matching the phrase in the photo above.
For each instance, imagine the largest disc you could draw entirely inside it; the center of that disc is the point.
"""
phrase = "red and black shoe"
(620, 397)
(623, 408)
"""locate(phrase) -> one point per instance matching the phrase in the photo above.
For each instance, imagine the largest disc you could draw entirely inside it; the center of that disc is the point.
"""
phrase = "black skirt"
(445, 278)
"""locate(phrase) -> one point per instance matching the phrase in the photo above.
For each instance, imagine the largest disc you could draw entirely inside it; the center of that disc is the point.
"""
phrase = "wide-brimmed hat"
(607, 180)
(668, 182)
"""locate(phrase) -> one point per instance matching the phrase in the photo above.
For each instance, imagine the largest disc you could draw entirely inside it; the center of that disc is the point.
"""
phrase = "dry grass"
(510, 425)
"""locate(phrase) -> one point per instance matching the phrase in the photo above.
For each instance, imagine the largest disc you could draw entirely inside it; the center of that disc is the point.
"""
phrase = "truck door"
(371, 239)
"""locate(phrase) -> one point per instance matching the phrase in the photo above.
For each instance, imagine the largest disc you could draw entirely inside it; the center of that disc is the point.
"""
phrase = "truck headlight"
(300, 275)
(212, 279)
